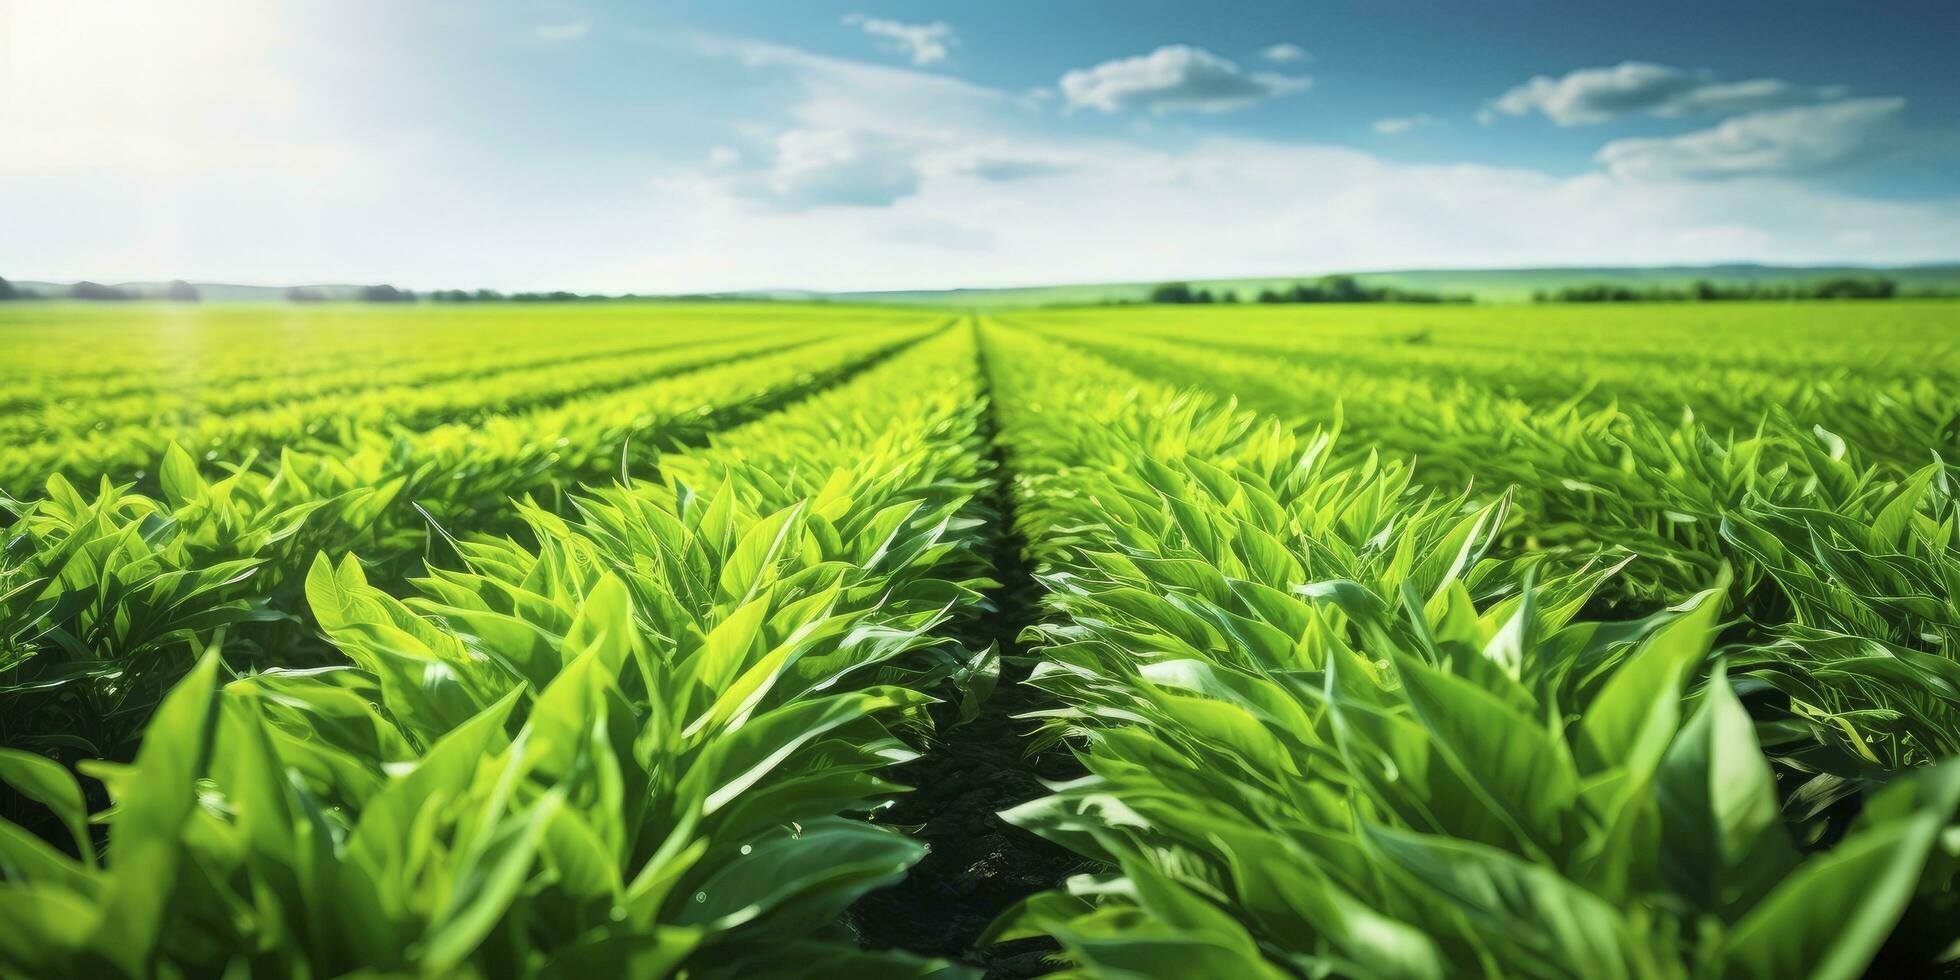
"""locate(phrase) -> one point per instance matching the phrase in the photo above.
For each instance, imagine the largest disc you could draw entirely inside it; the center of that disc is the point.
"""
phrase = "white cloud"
(834, 168)
(1397, 125)
(1249, 207)
(570, 30)
(1783, 141)
(1595, 95)
(861, 136)
(925, 44)
(239, 153)
(1284, 53)
(998, 195)
(808, 169)
(837, 93)
(1177, 76)
(1723, 98)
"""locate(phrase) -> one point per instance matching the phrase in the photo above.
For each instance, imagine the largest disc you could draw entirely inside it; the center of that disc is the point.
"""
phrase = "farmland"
(799, 639)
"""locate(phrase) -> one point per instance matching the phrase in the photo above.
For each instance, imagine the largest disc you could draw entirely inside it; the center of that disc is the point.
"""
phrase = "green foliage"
(1702, 290)
(106, 601)
(636, 748)
(1392, 642)
(1325, 289)
(1334, 724)
(1839, 563)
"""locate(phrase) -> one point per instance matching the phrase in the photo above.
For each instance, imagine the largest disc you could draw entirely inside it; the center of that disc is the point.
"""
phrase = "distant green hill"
(1486, 285)
(219, 292)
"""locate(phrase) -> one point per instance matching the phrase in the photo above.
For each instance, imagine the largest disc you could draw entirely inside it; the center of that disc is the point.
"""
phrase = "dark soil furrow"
(979, 866)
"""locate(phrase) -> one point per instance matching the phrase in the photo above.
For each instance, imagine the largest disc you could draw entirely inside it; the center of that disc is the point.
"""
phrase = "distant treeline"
(390, 294)
(178, 291)
(181, 291)
(1704, 291)
(556, 296)
(1326, 289)
(383, 293)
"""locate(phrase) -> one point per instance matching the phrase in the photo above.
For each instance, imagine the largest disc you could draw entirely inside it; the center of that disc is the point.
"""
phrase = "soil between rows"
(979, 866)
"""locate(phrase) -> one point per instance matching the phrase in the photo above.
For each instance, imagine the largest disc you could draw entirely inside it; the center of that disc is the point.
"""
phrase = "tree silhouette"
(96, 291)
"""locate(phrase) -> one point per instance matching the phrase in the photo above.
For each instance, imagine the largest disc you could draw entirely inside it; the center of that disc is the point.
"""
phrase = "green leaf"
(182, 484)
(800, 877)
(485, 884)
(976, 680)
(743, 574)
(656, 953)
(1518, 768)
(50, 784)
(604, 625)
(1532, 921)
(1827, 920)
(1723, 844)
(25, 858)
(1890, 526)
(158, 798)
(1632, 720)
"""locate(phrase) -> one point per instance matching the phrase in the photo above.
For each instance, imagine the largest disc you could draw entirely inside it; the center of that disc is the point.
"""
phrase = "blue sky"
(694, 145)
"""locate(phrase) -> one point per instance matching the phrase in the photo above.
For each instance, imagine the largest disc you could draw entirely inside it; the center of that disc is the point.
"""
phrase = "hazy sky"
(669, 145)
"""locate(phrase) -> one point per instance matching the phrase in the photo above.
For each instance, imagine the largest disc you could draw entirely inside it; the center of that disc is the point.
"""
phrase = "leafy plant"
(1323, 735)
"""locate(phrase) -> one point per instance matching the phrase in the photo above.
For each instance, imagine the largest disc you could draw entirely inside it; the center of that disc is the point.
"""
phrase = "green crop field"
(746, 640)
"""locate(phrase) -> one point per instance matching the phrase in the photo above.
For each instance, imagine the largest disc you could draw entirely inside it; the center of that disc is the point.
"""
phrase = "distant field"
(646, 639)
(1484, 285)
(102, 389)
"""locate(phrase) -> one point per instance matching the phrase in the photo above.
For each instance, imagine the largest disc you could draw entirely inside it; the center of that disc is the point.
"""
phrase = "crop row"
(168, 348)
(632, 747)
(1846, 570)
(1333, 724)
(51, 410)
(124, 451)
(1776, 338)
(1892, 414)
(103, 591)
(1377, 665)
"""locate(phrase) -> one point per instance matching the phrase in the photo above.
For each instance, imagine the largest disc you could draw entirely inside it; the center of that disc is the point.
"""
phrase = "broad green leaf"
(1723, 844)
(1519, 769)
(1828, 918)
(1633, 719)
(50, 784)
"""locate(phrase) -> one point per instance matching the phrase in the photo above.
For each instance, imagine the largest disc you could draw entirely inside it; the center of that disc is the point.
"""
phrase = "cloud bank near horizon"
(850, 174)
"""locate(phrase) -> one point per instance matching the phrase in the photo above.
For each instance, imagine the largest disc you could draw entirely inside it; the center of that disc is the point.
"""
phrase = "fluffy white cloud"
(1004, 195)
(237, 159)
(1248, 207)
(831, 167)
(1284, 53)
(837, 93)
(925, 44)
(807, 169)
(1177, 76)
(862, 135)
(1722, 98)
(570, 30)
(1397, 125)
(1595, 95)
(1782, 141)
